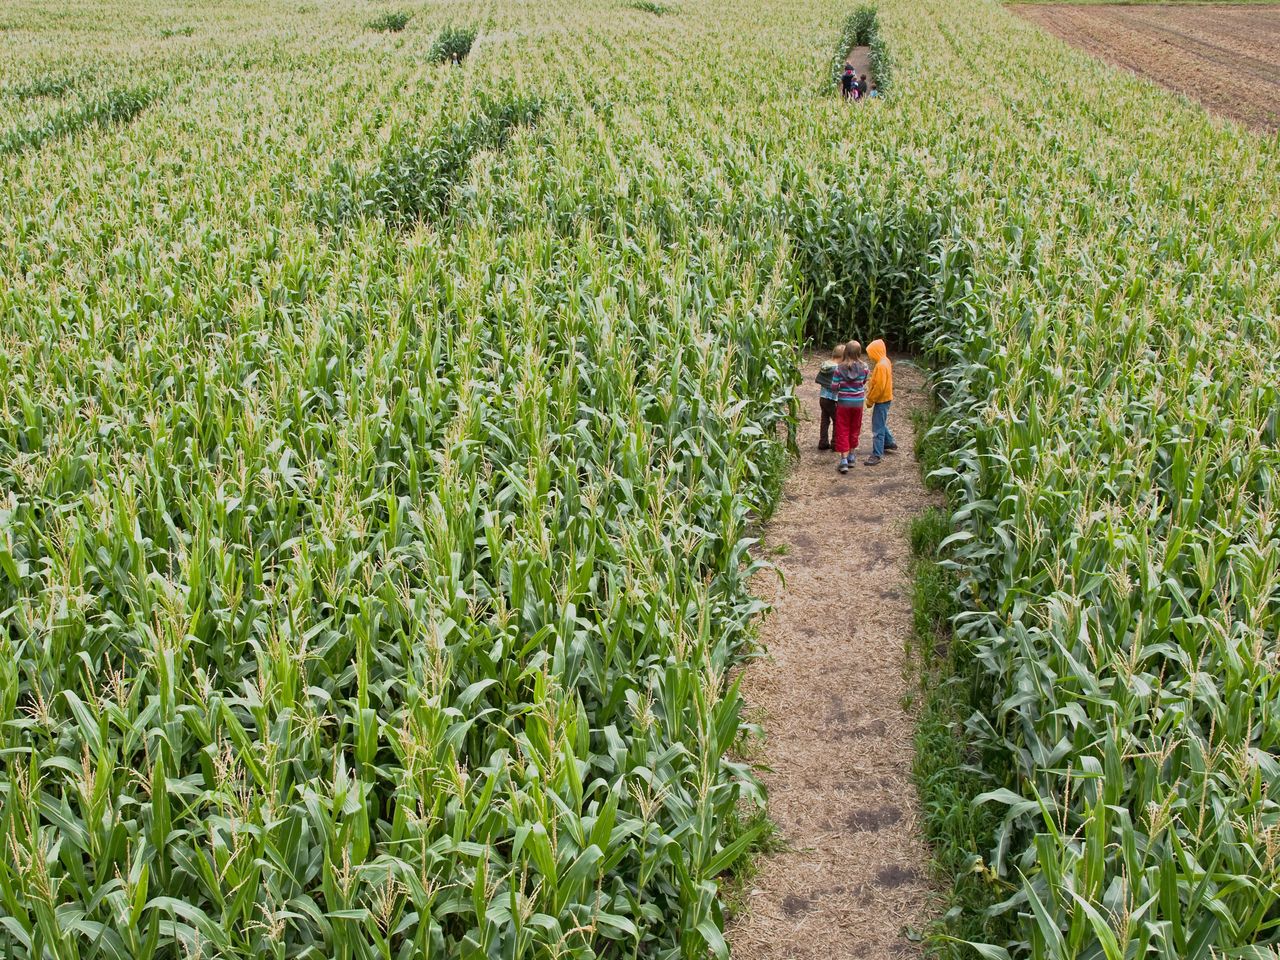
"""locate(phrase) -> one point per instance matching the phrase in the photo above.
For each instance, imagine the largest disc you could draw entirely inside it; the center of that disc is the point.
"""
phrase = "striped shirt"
(850, 384)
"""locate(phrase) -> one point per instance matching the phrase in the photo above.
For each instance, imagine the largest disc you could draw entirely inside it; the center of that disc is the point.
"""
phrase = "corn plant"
(412, 180)
(118, 105)
(393, 21)
(452, 43)
(650, 6)
(44, 85)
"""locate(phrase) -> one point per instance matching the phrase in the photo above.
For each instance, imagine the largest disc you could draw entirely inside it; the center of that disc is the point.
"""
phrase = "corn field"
(383, 444)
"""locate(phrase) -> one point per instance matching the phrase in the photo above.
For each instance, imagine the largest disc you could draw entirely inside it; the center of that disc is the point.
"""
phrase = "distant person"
(456, 61)
(848, 82)
(874, 92)
(850, 385)
(879, 393)
(862, 86)
(827, 396)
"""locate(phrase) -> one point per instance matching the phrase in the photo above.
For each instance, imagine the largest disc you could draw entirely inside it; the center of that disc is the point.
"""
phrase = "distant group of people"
(855, 87)
(848, 383)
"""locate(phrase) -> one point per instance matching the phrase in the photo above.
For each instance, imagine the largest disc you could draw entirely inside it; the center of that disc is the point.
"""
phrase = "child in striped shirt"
(849, 383)
(827, 396)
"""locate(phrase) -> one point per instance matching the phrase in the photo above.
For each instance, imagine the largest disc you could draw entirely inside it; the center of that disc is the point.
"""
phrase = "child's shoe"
(844, 465)
(890, 447)
(824, 446)
(872, 460)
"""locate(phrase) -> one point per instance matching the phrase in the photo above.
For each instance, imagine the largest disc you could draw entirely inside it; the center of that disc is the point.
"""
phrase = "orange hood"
(880, 386)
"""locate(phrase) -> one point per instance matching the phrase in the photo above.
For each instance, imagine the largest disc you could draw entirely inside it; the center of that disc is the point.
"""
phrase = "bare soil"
(852, 879)
(1227, 56)
(860, 59)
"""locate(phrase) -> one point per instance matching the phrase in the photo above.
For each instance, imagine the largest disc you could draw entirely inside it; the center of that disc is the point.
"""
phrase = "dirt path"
(860, 59)
(838, 742)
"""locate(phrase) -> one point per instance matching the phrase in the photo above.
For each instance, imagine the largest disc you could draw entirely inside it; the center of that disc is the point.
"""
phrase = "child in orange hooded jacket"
(880, 393)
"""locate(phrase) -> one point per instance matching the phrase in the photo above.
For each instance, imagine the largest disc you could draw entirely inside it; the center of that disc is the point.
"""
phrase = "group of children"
(847, 384)
(854, 87)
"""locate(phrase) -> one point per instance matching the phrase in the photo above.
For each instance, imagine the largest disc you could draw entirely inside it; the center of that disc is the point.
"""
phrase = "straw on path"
(851, 881)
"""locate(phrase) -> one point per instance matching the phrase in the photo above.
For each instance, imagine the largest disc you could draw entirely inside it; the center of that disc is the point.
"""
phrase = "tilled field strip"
(1227, 57)
(1215, 53)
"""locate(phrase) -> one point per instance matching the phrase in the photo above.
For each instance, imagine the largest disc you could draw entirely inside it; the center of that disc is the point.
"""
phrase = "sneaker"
(844, 467)
(824, 446)
(890, 447)
(872, 460)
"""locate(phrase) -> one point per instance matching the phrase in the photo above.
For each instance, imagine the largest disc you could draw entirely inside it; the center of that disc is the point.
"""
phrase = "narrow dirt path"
(838, 743)
(860, 59)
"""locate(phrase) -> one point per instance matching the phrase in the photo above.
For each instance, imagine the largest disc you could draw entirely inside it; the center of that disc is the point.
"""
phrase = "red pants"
(848, 426)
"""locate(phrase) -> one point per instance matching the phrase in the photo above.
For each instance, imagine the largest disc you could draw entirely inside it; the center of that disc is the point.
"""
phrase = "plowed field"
(1225, 56)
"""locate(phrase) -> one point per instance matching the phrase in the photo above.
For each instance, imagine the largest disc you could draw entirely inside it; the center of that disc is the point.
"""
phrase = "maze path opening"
(838, 751)
(860, 59)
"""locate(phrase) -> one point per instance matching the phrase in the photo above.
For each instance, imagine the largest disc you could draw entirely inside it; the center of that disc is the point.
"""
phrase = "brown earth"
(852, 879)
(1227, 56)
(860, 59)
